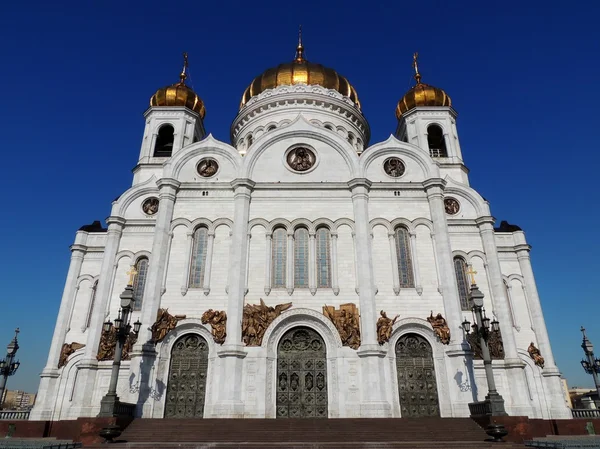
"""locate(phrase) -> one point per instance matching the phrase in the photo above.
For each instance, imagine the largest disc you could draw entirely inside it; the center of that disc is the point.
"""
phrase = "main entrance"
(186, 389)
(416, 377)
(301, 375)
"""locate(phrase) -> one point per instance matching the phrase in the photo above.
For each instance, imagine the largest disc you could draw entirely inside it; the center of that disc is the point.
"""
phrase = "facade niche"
(164, 141)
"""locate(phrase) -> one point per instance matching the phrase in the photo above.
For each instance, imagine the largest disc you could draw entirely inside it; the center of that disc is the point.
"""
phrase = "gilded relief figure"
(128, 346)
(106, 347)
(66, 350)
(218, 322)
(384, 327)
(440, 327)
(257, 318)
(536, 355)
(495, 344)
(165, 323)
(346, 321)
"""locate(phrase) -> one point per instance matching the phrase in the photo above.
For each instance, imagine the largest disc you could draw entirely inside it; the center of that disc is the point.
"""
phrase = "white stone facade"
(253, 192)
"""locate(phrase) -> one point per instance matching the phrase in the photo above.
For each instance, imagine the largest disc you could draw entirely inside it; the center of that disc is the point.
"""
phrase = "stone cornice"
(243, 182)
(485, 220)
(359, 182)
(434, 182)
(171, 111)
(113, 219)
(168, 182)
(429, 111)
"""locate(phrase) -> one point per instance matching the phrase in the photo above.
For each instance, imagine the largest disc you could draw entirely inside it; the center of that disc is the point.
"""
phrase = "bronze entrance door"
(301, 375)
(416, 377)
(186, 388)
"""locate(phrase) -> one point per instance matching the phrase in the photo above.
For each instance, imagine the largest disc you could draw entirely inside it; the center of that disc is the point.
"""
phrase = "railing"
(565, 443)
(6, 415)
(124, 409)
(39, 444)
(585, 413)
(482, 408)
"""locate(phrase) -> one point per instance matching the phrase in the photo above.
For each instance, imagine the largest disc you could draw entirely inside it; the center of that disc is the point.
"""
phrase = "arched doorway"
(186, 388)
(417, 387)
(301, 375)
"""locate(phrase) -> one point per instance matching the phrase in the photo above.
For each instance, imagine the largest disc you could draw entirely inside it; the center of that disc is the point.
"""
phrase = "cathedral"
(299, 270)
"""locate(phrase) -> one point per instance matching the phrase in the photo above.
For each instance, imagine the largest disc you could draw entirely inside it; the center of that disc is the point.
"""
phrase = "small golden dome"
(179, 94)
(300, 71)
(421, 95)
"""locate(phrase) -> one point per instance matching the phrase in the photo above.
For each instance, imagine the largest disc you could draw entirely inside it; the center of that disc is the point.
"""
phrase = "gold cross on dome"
(132, 274)
(415, 65)
(472, 274)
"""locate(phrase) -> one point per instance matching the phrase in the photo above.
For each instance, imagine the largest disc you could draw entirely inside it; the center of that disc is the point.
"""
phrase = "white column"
(334, 264)
(208, 262)
(165, 274)
(511, 305)
(415, 261)
(247, 276)
(356, 283)
(436, 263)
(46, 392)
(312, 263)
(289, 279)
(395, 273)
(185, 276)
(269, 242)
(373, 401)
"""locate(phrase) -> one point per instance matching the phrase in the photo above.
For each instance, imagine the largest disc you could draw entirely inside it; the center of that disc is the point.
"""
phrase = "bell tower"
(426, 119)
(173, 121)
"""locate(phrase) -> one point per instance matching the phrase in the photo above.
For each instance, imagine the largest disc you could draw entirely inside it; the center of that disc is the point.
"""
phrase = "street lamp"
(8, 366)
(591, 365)
(122, 324)
(494, 403)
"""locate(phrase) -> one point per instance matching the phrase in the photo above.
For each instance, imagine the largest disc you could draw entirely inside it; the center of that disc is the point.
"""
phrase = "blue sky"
(77, 77)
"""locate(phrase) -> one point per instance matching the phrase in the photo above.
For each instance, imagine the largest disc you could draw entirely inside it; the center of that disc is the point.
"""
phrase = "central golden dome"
(300, 71)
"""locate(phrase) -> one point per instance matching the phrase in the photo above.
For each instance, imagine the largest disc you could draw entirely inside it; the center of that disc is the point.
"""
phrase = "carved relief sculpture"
(207, 167)
(394, 167)
(451, 205)
(384, 327)
(150, 206)
(346, 321)
(440, 327)
(495, 344)
(535, 355)
(66, 350)
(301, 159)
(218, 321)
(108, 343)
(257, 318)
(165, 323)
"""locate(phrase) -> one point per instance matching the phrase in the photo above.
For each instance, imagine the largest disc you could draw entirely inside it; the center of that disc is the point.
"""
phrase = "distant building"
(566, 392)
(586, 398)
(18, 400)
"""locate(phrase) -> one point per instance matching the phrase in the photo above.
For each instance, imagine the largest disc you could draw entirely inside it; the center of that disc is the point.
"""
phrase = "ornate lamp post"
(494, 402)
(109, 403)
(591, 365)
(8, 366)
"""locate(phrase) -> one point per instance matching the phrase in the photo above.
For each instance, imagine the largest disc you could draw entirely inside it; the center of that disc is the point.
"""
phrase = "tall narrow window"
(198, 258)
(140, 282)
(164, 141)
(323, 258)
(91, 307)
(301, 258)
(405, 268)
(460, 268)
(436, 141)
(278, 258)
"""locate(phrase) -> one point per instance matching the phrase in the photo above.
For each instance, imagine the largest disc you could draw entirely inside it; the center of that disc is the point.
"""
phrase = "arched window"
(198, 261)
(436, 141)
(164, 141)
(405, 268)
(249, 140)
(323, 258)
(460, 268)
(278, 258)
(91, 307)
(139, 283)
(301, 258)
(271, 128)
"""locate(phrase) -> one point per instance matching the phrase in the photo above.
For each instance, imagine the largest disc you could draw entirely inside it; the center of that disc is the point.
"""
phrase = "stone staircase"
(423, 433)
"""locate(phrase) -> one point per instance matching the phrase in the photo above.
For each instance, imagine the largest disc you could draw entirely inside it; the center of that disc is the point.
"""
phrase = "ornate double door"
(416, 377)
(301, 375)
(186, 389)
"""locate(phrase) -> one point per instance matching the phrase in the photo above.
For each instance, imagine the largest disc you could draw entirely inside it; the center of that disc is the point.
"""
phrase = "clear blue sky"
(77, 76)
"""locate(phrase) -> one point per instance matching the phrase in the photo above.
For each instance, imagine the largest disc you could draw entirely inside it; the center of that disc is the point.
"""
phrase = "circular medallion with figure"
(207, 167)
(301, 159)
(451, 205)
(150, 206)
(394, 167)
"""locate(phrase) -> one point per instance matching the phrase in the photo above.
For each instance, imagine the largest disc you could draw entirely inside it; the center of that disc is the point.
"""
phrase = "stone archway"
(301, 375)
(186, 385)
(417, 386)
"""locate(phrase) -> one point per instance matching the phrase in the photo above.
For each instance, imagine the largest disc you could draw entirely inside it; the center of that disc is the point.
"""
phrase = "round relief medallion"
(207, 167)
(451, 205)
(301, 159)
(150, 206)
(394, 167)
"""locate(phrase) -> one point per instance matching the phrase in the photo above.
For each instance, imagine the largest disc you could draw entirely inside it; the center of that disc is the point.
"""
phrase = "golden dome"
(300, 71)
(421, 95)
(179, 94)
